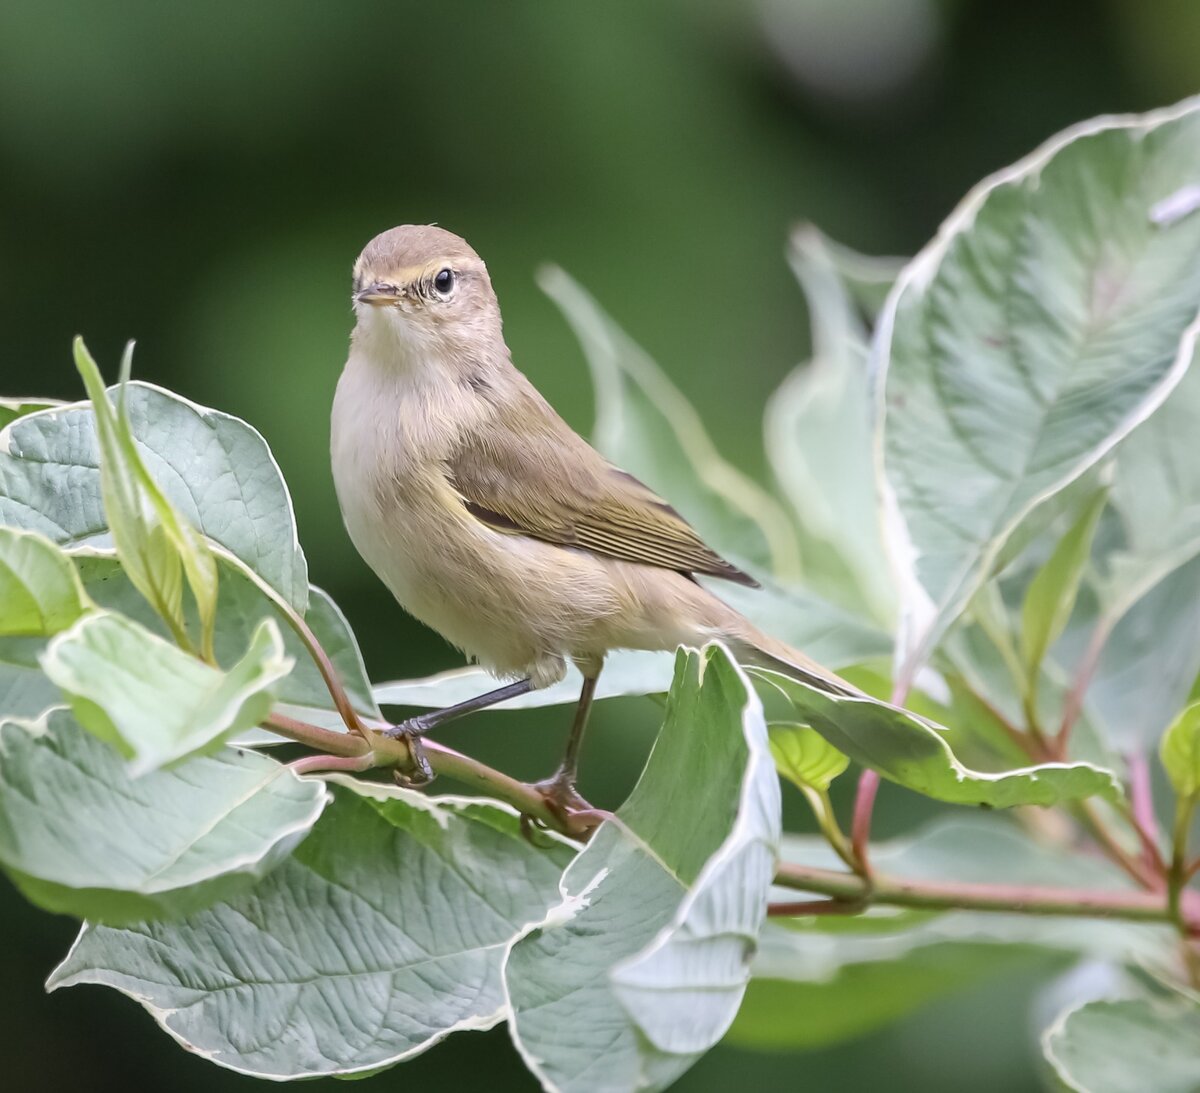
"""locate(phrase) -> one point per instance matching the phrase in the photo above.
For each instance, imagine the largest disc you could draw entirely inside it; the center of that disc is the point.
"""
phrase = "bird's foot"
(420, 773)
(565, 804)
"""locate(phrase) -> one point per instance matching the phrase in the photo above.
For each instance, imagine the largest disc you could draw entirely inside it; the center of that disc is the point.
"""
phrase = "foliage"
(1025, 594)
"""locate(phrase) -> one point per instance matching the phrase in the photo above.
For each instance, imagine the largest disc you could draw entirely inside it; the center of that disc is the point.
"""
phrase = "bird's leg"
(414, 728)
(427, 722)
(559, 789)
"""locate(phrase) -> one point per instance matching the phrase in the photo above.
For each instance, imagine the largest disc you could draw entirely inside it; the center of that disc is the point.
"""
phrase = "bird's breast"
(515, 603)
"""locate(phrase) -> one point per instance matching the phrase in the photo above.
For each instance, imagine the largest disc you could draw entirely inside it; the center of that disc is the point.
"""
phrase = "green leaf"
(215, 469)
(13, 408)
(1047, 319)
(383, 933)
(241, 606)
(154, 702)
(821, 980)
(40, 593)
(26, 692)
(1180, 752)
(1129, 1046)
(24, 689)
(148, 542)
(646, 426)
(910, 750)
(80, 836)
(1050, 597)
(642, 966)
(145, 526)
(866, 278)
(1156, 495)
(1149, 662)
(818, 441)
(803, 756)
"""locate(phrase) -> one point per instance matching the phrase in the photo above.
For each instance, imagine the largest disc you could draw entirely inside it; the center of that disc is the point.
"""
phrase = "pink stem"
(868, 787)
(319, 764)
(1141, 799)
(860, 825)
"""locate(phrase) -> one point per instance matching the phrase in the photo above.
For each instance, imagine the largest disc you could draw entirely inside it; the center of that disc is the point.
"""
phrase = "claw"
(531, 831)
(561, 796)
(421, 773)
(568, 807)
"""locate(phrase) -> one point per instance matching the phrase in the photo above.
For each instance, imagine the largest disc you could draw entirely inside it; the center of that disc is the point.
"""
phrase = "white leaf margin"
(918, 612)
(441, 808)
(760, 825)
(201, 411)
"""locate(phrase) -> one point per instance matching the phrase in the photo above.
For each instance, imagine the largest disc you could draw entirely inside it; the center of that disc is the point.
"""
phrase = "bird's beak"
(377, 294)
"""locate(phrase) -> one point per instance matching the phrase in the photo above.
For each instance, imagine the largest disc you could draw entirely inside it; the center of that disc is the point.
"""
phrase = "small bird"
(488, 517)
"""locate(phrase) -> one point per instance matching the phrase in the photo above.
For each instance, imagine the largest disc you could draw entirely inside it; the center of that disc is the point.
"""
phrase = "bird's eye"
(444, 281)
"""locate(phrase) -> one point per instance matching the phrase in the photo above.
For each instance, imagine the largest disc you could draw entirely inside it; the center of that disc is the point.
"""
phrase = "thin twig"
(329, 674)
(1137, 868)
(326, 740)
(946, 896)
(382, 751)
(1020, 739)
(860, 823)
(1145, 822)
(864, 798)
(333, 682)
(1177, 870)
(822, 808)
(1073, 704)
(321, 764)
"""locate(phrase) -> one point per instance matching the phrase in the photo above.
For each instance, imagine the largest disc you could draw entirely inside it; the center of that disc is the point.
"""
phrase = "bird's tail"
(763, 651)
(683, 612)
(751, 646)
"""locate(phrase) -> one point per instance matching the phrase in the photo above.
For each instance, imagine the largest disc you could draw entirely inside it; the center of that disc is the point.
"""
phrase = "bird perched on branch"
(488, 517)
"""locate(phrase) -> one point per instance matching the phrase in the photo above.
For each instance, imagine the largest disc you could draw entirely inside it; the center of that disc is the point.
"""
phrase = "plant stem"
(851, 890)
(860, 823)
(321, 764)
(329, 675)
(324, 740)
(1029, 706)
(382, 751)
(1142, 817)
(1177, 878)
(864, 797)
(1146, 871)
(1019, 739)
(1073, 704)
(333, 683)
(822, 807)
(1177, 873)
(1137, 868)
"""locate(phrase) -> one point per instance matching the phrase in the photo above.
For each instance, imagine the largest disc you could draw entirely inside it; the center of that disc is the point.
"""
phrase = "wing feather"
(528, 473)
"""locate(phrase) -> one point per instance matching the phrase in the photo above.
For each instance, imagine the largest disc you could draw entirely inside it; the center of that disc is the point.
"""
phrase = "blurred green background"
(200, 177)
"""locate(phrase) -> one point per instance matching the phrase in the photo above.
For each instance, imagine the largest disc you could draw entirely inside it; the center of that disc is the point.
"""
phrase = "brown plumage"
(486, 515)
(528, 473)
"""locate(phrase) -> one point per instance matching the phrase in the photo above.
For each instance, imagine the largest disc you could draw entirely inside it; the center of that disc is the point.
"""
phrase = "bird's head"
(425, 290)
